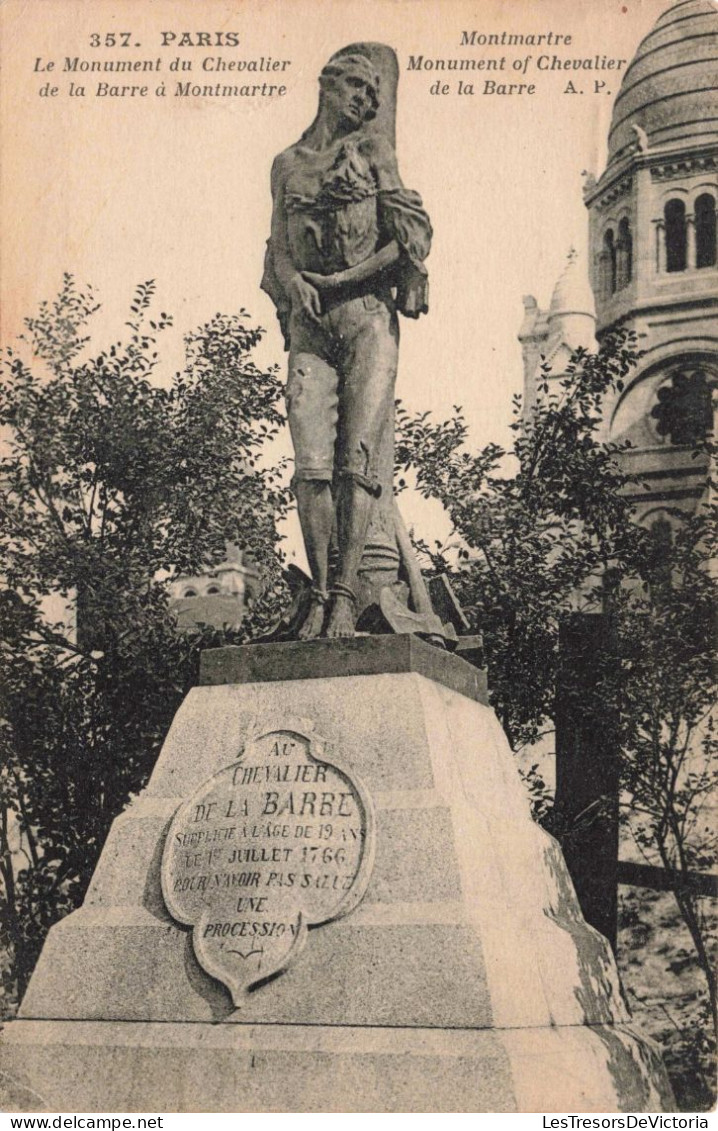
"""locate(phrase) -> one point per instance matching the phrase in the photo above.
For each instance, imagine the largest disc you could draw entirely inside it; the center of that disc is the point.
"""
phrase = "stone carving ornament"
(280, 841)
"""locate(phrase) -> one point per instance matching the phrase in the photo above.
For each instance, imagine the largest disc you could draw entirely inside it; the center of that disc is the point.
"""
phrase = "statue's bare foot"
(314, 621)
(341, 617)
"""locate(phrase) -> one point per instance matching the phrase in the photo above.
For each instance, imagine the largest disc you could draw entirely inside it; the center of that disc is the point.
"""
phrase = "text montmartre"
(513, 39)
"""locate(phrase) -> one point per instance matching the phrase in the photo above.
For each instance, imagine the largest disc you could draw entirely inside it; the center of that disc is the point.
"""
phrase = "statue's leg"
(370, 353)
(312, 408)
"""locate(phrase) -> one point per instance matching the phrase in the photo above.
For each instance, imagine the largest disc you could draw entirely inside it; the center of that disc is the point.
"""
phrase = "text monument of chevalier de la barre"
(331, 896)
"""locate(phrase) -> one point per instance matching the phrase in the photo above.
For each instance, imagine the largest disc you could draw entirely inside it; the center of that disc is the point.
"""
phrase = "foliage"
(110, 483)
(670, 747)
(673, 1010)
(538, 524)
(112, 477)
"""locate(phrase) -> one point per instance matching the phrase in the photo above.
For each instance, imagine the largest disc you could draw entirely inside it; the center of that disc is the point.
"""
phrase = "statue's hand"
(305, 297)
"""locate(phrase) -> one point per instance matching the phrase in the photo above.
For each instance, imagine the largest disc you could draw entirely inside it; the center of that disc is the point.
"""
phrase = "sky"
(117, 190)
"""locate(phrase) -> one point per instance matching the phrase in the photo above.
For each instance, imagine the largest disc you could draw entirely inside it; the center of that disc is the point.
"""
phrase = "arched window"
(190, 593)
(675, 217)
(213, 590)
(705, 220)
(624, 254)
(608, 264)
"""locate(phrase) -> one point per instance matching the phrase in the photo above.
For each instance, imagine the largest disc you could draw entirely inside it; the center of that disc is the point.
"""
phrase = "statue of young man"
(346, 253)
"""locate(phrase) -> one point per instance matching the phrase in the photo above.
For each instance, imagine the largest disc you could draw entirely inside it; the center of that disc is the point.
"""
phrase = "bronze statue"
(345, 256)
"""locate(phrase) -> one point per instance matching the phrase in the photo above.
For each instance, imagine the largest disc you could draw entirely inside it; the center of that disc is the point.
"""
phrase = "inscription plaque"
(280, 841)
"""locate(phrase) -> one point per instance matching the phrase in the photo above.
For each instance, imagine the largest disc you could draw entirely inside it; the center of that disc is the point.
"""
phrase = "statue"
(345, 256)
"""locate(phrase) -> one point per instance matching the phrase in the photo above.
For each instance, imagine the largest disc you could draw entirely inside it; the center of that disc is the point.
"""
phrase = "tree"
(110, 483)
(539, 525)
(547, 528)
(670, 748)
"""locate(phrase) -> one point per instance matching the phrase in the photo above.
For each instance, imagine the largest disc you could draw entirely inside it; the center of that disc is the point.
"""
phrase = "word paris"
(278, 842)
(200, 38)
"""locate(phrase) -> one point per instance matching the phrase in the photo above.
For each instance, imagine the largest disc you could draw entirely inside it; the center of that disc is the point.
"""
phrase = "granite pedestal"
(465, 980)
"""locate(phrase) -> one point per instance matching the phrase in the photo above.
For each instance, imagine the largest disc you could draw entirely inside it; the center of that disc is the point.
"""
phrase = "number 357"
(111, 39)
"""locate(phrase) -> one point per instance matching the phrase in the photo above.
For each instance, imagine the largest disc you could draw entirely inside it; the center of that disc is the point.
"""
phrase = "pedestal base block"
(464, 980)
(131, 1066)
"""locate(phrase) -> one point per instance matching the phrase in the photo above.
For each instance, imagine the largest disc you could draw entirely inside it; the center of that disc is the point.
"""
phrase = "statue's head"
(349, 86)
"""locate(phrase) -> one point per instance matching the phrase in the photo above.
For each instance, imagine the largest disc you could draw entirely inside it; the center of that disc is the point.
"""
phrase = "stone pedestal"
(465, 980)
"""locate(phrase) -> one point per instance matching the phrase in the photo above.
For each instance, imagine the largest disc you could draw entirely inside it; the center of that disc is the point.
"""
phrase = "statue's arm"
(407, 230)
(380, 261)
(300, 292)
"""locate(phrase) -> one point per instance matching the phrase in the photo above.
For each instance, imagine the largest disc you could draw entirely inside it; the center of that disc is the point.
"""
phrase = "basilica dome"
(670, 89)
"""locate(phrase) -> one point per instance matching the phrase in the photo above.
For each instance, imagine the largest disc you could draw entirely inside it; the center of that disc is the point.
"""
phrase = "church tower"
(653, 253)
(551, 336)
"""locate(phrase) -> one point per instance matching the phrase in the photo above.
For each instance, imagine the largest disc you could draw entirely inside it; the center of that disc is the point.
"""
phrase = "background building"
(550, 336)
(219, 597)
(653, 262)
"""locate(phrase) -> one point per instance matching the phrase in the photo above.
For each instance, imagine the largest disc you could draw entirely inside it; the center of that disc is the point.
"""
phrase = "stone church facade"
(653, 262)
